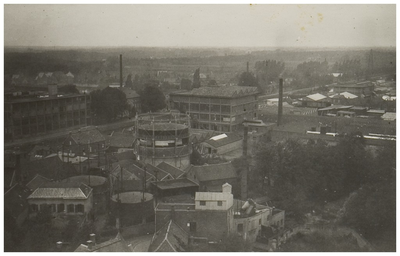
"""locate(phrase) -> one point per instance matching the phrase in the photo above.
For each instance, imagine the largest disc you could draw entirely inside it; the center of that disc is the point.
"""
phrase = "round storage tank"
(134, 207)
(100, 186)
(163, 137)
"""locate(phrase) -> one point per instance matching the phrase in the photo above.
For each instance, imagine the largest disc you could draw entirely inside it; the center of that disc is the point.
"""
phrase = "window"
(202, 202)
(240, 228)
(34, 207)
(60, 208)
(219, 203)
(80, 208)
(71, 208)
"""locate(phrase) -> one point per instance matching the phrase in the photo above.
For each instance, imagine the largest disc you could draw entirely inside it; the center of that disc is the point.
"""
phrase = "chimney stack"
(280, 103)
(93, 238)
(90, 245)
(59, 245)
(120, 70)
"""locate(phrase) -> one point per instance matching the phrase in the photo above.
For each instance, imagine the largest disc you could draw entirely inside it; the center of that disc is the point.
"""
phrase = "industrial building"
(39, 114)
(163, 137)
(218, 108)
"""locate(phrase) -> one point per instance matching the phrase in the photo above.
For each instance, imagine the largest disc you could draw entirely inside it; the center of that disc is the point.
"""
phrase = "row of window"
(203, 203)
(71, 208)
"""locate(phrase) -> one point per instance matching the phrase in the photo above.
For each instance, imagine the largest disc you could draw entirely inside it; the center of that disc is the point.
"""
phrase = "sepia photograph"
(177, 127)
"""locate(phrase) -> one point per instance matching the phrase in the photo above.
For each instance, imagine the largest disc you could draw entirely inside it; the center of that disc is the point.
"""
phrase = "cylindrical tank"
(132, 208)
(100, 186)
(163, 137)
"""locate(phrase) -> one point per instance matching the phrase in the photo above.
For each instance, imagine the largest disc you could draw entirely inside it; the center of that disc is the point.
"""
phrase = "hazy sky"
(200, 25)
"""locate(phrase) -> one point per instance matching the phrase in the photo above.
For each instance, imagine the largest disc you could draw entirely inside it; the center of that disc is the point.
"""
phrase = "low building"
(222, 144)
(316, 100)
(121, 142)
(61, 198)
(87, 140)
(212, 177)
(362, 89)
(172, 170)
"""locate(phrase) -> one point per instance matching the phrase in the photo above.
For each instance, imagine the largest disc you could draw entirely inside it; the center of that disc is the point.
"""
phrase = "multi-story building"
(38, 114)
(218, 108)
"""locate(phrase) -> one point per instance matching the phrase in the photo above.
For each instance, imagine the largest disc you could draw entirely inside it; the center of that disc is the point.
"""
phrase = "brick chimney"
(90, 245)
(93, 238)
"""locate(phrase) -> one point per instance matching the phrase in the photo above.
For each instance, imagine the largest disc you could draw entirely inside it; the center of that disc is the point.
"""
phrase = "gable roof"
(86, 135)
(172, 170)
(222, 91)
(316, 97)
(36, 182)
(117, 244)
(58, 190)
(219, 142)
(161, 175)
(214, 171)
(348, 95)
(170, 238)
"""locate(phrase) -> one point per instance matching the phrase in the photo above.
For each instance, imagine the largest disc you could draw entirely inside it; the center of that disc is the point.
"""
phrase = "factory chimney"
(120, 70)
(280, 101)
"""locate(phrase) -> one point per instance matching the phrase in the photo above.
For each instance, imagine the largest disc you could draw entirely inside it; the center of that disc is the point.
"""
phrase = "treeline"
(301, 178)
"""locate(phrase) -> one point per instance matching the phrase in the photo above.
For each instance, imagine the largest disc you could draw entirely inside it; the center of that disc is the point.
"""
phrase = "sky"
(209, 25)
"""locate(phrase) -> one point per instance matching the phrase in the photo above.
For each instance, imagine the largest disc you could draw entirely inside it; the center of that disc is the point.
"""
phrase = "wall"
(88, 204)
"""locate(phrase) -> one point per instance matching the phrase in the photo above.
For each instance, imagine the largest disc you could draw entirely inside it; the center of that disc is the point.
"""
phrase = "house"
(170, 238)
(86, 141)
(222, 144)
(61, 198)
(316, 100)
(212, 177)
(220, 108)
(39, 152)
(362, 89)
(121, 142)
(117, 244)
(212, 216)
(132, 98)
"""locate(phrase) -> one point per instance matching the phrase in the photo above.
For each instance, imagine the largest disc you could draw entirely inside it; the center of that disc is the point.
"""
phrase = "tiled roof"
(117, 244)
(221, 91)
(170, 238)
(87, 135)
(214, 171)
(172, 184)
(61, 190)
(316, 97)
(93, 180)
(36, 182)
(175, 172)
(231, 137)
(121, 140)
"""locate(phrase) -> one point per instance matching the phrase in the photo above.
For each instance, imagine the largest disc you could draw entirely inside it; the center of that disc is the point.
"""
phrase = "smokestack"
(120, 70)
(245, 135)
(247, 67)
(280, 101)
(93, 238)
(90, 245)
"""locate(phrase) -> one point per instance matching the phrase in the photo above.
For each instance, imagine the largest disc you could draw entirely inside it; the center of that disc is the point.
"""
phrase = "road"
(64, 132)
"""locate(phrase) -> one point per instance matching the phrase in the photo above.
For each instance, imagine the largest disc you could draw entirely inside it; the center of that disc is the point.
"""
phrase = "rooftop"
(214, 171)
(162, 126)
(89, 134)
(316, 97)
(170, 238)
(175, 172)
(221, 91)
(58, 190)
(173, 184)
(117, 244)
(223, 140)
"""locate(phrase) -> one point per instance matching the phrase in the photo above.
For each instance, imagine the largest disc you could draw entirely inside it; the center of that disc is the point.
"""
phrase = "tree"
(152, 99)
(247, 79)
(70, 88)
(128, 82)
(108, 104)
(196, 79)
(186, 84)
